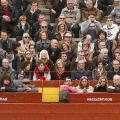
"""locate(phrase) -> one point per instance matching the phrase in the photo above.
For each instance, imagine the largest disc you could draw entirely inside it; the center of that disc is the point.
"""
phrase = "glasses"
(62, 18)
(10, 53)
(109, 20)
(28, 53)
(44, 26)
(26, 83)
(26, 37)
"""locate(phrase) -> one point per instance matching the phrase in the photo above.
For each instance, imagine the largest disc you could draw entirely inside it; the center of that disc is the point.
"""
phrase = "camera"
(92, 21)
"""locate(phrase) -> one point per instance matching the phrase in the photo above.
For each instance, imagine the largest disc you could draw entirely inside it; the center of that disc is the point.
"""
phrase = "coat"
(115, 90)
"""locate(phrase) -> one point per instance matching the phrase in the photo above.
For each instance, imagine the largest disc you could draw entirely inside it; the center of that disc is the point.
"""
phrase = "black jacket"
(100, 89)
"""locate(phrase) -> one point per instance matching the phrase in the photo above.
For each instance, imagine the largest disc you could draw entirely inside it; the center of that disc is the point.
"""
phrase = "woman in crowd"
(41, 71)
(102, 85)
(60, 71)
(25, 42)
(60, 31)
(65, 47)
(99, 71)
(117, 55)
(84, 86)
(43, 42)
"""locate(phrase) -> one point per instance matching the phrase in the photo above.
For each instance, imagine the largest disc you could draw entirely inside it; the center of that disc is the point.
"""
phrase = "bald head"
(54, 43)
(5, 63)
(116, 80)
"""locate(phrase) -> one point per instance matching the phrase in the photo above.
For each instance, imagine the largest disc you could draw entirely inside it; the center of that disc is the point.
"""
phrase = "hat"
(68, 34)
(70, 1)
(25, 80)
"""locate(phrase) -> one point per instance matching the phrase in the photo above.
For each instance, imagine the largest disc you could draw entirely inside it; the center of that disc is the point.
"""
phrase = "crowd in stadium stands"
(33, 49)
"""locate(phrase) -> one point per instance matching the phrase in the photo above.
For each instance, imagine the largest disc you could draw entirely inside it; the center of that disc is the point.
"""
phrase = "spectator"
(60, 31)
(68, 39)
(99, 71)
(117, 55)
(32, 13)
(84, 86)
(22, 27)
(91, 26)
(43, 42)
(16, 48)
(41, 72)
(91, 8)
(115, 70)
(60, 72)
(82, 4)
(55, 7)
(25, 42)
(26, 87)
(102, 85)
(54, 51)
(8, 16)
(106, 6)
(6, 84)
(72, 15)
(104, 57)
(6, 70)
(5, 42)
(115, 87)
(111, 29)
(80, 71)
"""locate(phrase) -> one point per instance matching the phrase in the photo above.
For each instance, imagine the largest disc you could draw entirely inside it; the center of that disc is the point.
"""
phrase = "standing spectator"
(115, 70)
(72, 15)
(84, 86)
(80, 71)
(99, 71)
(91, 8)
(8, 16)
(6, 69)
(111, 29)
(91, 26)
(32, 13)
(6, 84)
(55, 7)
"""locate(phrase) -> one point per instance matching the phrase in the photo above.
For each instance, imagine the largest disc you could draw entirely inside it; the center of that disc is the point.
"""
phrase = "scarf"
(59, 72)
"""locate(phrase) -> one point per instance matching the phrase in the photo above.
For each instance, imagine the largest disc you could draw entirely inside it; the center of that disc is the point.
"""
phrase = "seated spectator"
(65, 48)
(41, 71)
(111, 29)
(43, 42)
(80, 71)
(68, 39)
(8, 16)
(62, 19)
(80, 56)
(102, 85)
(6, 84)
(99, 71)
(43, 28)
(54, 51)
(91, 26)
(65, 89)
(106, 6)
(115, 14)
(82, 4)
(26, 86)
(115, 70)
(72, 15)
(55, 7)
(16, 48)
(60, 31)
(84, 86)
(117, 55)
(86, 38)
(32, 13)
(5, 42)
(6, 69)
(91, 8)
(65, 58)
(104, 57)
(25, 42)
(115, 86)
(25, 71)
(22, 27)
(60, 72)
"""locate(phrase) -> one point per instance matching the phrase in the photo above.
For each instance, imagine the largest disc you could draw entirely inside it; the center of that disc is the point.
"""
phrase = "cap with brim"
(68, 35)
(25, 80)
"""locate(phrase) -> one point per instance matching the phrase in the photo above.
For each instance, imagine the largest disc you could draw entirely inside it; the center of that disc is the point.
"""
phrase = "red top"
(6, 12)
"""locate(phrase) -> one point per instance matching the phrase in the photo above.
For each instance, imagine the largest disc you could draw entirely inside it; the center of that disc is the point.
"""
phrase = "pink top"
(89, 90)
(68, 88)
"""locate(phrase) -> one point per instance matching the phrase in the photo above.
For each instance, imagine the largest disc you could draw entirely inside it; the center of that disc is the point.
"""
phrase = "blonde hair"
(44, 51)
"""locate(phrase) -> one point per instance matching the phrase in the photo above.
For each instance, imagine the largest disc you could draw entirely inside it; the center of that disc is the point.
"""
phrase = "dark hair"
(4, 31)
(40, 62)
(91, 13)
(99, 61)
(25, 63)
(15, 45)
(5, 77)
(102, 32)
(34, 1)
(31, 45)
(9, 50)
(41, 14)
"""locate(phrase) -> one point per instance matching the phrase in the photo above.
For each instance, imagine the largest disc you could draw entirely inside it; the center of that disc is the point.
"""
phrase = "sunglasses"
(109, 20)
(84, 77)
(44, 26)
(26, 37)
(10, 53)
(62, 18)
(26, 83)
